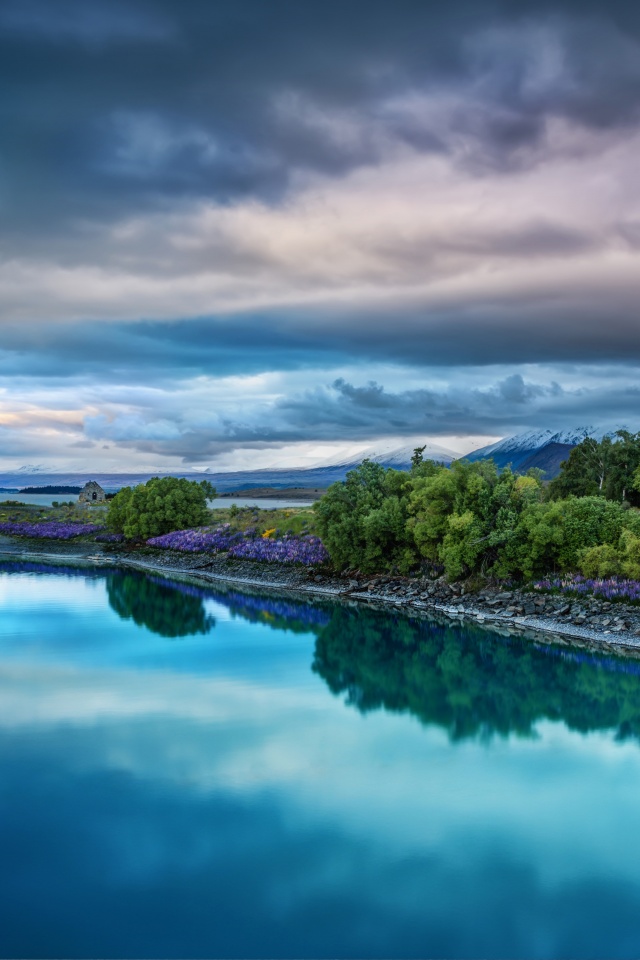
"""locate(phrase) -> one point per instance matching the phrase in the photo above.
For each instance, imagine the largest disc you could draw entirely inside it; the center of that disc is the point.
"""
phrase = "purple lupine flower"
(609, 588)
(306, 550)
(198, 540)
(49, 529)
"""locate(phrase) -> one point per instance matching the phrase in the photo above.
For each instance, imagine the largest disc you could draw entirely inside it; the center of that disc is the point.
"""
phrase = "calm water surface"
(220, 503)
(191, 773)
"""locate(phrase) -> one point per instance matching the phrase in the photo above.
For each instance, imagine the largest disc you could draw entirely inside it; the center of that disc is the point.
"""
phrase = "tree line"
(472, 519)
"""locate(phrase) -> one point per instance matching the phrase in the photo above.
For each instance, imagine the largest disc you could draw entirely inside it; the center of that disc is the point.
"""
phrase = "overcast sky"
(236, 232)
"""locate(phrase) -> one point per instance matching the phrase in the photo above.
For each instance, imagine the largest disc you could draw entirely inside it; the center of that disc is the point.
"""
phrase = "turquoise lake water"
(212, 773)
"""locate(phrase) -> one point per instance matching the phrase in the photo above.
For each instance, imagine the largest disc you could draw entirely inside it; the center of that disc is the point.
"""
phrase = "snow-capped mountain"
(315, 478)
(32, 468)
(531, 448)
(390, 455)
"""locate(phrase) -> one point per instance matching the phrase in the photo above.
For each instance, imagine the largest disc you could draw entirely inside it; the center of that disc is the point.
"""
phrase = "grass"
(295, 520)
(65, 511)
(69, 512)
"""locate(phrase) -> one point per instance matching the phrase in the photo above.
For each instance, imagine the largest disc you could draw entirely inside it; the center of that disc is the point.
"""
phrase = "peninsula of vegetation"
(468, 538)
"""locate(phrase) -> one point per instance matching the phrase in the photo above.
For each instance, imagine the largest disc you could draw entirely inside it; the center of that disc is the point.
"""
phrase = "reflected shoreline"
(469, 680)
(283, 579)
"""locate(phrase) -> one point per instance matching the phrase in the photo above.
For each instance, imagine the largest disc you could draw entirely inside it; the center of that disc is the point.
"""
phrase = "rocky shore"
(584, 621)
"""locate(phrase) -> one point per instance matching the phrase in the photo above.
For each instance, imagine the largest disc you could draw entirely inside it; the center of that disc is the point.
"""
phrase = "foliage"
(418, 456)
(110, 538)
(306, 550)
(466, 517)
(49, 529)
(159, 506)
(199, 540)
(609, 588)
(475, 520)
(607, 468)
(557, 535)
(363, 520)
(600, 561)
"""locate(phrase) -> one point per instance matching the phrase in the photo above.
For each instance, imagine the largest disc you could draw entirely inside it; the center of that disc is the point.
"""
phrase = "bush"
(602, 561)
(161, 505)
(363, 520)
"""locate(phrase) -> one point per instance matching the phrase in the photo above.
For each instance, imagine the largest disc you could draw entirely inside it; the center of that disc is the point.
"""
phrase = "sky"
(236, 233)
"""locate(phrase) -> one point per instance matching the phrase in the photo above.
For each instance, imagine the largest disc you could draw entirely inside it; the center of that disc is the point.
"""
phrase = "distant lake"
(220, 503)
(190, 772)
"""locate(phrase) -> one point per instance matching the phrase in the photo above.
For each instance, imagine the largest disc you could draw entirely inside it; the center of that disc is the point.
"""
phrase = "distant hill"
(51, 488)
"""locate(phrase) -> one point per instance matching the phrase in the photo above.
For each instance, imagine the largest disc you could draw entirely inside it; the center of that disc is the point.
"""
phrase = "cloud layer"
(190, 194)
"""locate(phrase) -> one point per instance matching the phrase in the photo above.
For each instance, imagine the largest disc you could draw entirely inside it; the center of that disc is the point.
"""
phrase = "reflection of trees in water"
(60, 570)
(470, 682)
(161, 607)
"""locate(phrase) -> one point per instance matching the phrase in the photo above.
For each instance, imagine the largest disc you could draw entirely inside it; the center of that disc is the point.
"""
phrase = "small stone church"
(92, 492)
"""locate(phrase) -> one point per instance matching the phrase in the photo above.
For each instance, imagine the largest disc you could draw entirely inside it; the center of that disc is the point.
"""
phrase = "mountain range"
(544, 449)
(317, 477)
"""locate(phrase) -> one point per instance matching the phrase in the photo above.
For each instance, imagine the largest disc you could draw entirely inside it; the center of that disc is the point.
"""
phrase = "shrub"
(159, 506)
(602, 561)
(363, 520)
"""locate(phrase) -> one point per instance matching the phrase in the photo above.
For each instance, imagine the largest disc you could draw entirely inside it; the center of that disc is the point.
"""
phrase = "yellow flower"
(268, 533)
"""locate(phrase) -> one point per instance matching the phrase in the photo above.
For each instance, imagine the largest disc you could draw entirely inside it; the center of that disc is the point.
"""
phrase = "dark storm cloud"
(508, 405)
(113, 108)
(595, 326)
(159, 353)
(350, 410)
(343, 410)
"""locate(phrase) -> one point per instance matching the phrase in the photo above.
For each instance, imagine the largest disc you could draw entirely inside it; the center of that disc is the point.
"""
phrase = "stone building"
(92, 492)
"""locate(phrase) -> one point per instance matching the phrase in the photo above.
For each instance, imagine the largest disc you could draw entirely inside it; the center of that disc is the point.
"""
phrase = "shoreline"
(404, 596)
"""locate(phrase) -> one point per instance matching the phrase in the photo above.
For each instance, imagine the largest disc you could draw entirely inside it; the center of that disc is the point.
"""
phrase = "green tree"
(560, 535)
(417, 457)
(159, 506)
(606, 469)
(465, 516)
(363, 520)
